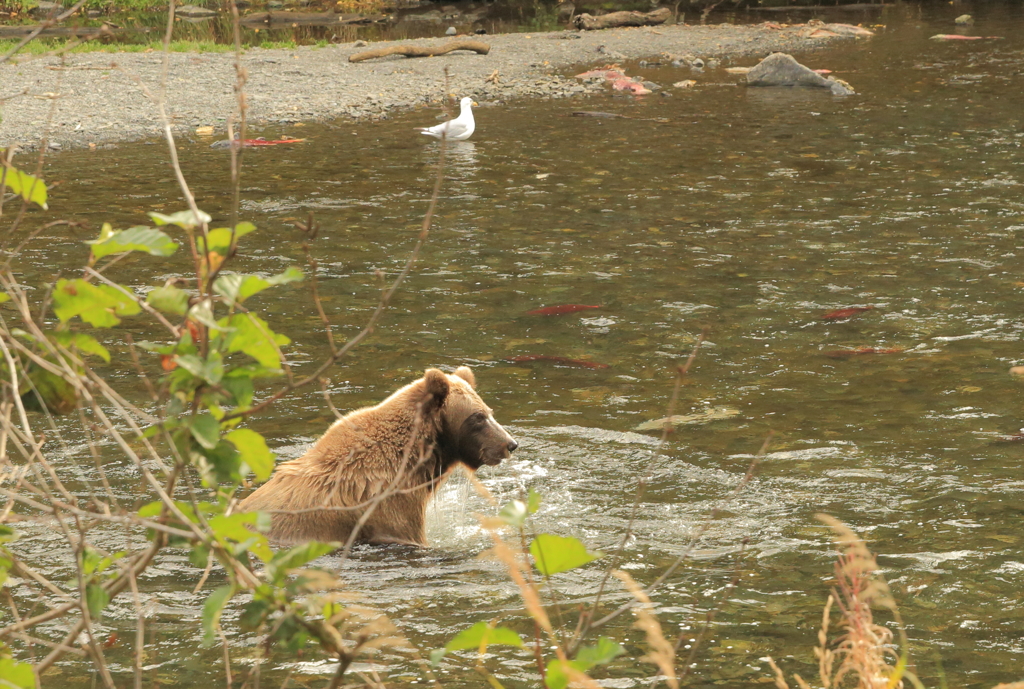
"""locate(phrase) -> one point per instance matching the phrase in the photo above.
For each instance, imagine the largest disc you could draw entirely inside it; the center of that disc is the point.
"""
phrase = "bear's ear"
(466, 373)
(435, 387)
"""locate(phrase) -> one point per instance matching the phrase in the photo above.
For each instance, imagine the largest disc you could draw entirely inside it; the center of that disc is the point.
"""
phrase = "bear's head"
(467, 431)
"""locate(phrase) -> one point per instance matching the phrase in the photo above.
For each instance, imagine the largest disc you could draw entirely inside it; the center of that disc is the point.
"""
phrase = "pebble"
(1017, 371)
(450, 31)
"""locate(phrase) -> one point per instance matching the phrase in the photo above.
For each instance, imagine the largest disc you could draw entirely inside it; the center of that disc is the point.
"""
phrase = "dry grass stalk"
(516, 566)
(865, 650)
(864, 647)
(662, 651)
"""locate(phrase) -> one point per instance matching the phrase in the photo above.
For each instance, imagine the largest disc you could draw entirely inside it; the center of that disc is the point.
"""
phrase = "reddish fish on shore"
(840, 314)
(847, 353)
(556, 359)
(561, 309)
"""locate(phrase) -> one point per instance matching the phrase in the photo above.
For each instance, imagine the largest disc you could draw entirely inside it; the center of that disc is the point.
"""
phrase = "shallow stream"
(750, 212)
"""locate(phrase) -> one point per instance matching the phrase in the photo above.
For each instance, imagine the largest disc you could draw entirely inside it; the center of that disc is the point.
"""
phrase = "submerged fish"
(847, 353)
(249, 143)
(556, 359)
(840, 314)
(958, 37)
(713, 414)
(560, 309)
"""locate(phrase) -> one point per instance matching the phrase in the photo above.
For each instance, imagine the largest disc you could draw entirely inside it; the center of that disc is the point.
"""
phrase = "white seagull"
(459, 129)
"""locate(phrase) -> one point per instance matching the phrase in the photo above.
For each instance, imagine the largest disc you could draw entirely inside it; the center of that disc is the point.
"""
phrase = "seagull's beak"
(475, 104)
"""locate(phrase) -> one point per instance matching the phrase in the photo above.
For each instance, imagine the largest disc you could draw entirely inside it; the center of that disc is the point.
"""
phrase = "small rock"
(737, 70)
(964, 20)
(1017, 371)
(684, 84)
(650, 85)
(713, 64)
(360, 44)
(193, 11)
(46, 7)
(275, 4)
(840, 87)
(450, 31)
(54, 146)
(610, 54)
(480, 32)
(697, 63)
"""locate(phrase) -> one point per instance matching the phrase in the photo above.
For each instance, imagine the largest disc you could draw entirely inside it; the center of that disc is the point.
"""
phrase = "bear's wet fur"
(406, 447)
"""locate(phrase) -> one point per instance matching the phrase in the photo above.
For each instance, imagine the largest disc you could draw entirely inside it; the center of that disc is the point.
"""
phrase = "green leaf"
(557, 674)
(243, 528)
(205, 430)
(169, 300)
(139, 238)
(212, 609)
(298, 557)
(199, 556)
(85, 343)
(15, 674)
(481, 635)
(203, 313)
(96, 598)
(604, 651)
(553, 554)
(240, 387)
(98, 305)
(183, 219)
(436, 655)
(58, 395)
(4, 296)
(513, 514)
(219, 240)
(238, 288)
(210, 369)
(219, 464)
(532, 501)
(30, 188)
(251, 334)
(254, 451)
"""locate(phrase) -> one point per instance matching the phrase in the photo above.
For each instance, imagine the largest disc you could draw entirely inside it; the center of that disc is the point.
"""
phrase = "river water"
(752, 213)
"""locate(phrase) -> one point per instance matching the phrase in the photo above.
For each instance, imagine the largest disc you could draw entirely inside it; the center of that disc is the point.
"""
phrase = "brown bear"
(402, 449)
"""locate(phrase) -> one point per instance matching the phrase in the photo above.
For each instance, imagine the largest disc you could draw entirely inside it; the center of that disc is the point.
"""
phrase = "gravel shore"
(99, 97)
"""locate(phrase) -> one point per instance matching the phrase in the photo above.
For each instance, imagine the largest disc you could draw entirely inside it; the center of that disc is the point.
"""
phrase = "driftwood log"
(422, 50)
(586, 22)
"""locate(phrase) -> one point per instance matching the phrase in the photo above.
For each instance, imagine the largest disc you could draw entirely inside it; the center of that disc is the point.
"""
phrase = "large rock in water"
(780, 69)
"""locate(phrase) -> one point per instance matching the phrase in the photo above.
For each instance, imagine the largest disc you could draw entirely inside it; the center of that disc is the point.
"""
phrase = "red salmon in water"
(557, 359)
(840, 314)
(264, 142)
(560, 310)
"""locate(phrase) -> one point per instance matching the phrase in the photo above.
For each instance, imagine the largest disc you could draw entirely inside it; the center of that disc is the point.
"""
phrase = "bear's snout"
(512, 445)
